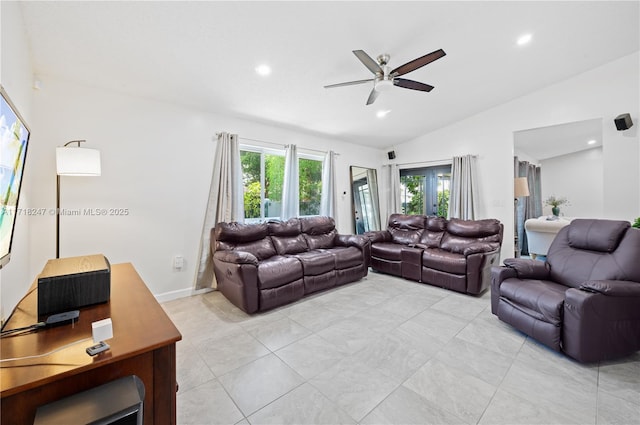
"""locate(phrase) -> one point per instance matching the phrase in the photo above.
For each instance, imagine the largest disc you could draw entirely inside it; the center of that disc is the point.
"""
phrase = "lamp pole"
(58, 201)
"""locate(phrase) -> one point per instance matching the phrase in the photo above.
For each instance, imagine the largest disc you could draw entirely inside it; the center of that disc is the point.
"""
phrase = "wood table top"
(140, 324)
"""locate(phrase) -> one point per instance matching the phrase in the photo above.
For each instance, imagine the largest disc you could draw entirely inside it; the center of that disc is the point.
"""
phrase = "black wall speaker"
(392, 154)
(623, 122)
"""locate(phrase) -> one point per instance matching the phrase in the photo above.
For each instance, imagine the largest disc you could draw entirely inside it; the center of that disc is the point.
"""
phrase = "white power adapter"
(101, 330)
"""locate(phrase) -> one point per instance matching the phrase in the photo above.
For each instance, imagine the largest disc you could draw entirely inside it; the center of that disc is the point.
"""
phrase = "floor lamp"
(73, 161)
(520, 189)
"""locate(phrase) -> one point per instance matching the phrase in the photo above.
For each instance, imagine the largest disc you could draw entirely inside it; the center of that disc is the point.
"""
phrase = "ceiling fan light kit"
(384, 77)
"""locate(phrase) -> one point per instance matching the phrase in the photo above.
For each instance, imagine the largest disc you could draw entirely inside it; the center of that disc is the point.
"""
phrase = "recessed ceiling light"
(524, 39)
(263, 70)
(382, 113)
(591, 142)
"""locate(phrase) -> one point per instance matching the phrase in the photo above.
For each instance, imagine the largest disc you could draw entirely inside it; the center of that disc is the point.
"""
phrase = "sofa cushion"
(479, 229)
(446, 261)
(290, 227)
(597, 235)
(289, 244)
(262, 248)
(347, 257)
(387, 250)
(432, 234)
(541, 299)
(323, 240)
(278, 270)
(316, 262)
(317, 225)
(462, 234)
(405, 228)
(236, 233)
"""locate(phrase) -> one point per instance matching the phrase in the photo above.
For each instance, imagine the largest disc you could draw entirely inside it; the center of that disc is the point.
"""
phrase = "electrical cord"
(46, 354)
(29, 328)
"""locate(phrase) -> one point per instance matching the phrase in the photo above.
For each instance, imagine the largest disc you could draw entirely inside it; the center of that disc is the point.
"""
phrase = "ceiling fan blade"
(417, 63)
(373, 96)
(348, 83)
(368, 62)
(410, 84)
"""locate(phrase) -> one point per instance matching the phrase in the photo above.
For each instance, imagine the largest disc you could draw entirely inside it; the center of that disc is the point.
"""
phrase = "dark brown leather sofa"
(262, 266)
(585, 299)
(454, 254)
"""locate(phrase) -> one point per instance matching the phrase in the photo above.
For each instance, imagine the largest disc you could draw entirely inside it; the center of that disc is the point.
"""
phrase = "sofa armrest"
(359, 241)
(235, 257)
(499, 274)
(479, 247)
(528, 269)
(613, 288)
(378, 236)
(599, 327)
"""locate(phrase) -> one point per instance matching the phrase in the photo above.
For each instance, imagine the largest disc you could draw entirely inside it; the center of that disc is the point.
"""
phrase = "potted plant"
(636, 224)
(555, 203)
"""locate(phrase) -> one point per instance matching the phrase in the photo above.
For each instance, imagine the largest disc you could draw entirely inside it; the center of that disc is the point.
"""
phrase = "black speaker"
(392, 154)
(623, 122)
(69, 283)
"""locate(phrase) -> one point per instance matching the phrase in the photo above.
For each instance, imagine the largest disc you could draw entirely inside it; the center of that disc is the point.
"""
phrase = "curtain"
(290, 191)
(391, 181)
(530, 206)
(328, 191)
(225, 202)
(464, 188)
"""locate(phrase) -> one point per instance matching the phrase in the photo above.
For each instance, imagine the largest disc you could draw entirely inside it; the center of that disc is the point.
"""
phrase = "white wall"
(603, 92)
(560, 175)
(157, 163)
(16, 76)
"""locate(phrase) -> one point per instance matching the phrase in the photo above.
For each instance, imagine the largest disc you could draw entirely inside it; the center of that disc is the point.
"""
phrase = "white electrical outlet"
(178, 262)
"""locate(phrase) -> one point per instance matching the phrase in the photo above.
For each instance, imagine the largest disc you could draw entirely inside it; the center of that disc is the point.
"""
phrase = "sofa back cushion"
(405, 228)
(287, 237)
(251, 238)
(433, 232)
(319, 232)
(461, 234)
(597, 235)
(607, 255)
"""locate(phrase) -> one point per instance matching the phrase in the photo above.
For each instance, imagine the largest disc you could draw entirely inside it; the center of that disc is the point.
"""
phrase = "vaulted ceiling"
(203, 54)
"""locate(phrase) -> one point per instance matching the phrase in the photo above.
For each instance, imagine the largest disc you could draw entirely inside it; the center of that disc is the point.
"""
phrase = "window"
(263, 178)
(426, 190)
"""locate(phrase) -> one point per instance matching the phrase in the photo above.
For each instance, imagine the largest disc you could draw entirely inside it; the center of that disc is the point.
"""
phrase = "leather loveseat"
(262, 266)
(454, 254)
(585, 299)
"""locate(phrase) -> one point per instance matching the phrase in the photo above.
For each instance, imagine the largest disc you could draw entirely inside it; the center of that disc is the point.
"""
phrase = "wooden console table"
(143, 344)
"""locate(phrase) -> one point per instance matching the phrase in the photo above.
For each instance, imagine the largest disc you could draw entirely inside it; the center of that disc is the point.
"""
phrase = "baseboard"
(180, 293)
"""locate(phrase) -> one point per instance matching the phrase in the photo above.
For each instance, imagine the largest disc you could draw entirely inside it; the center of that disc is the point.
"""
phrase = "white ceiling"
(203, 54)
(557, 140)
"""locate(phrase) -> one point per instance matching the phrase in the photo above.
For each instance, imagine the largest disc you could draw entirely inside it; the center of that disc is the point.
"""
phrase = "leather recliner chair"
(585, 299)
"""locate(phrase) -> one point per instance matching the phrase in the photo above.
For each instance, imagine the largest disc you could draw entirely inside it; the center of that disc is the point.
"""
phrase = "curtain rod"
(425, 162)
(280, 144)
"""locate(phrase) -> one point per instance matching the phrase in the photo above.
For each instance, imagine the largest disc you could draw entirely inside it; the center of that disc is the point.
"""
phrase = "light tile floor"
(384, 351)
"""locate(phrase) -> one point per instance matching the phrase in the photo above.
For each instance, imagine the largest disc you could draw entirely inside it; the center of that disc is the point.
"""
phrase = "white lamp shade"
(520, 187)
(76, 161)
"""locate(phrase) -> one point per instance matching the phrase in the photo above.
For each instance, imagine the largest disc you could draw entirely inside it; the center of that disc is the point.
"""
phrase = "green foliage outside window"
(310, 184)
(415, 188)
(443, 203)
(310, 173)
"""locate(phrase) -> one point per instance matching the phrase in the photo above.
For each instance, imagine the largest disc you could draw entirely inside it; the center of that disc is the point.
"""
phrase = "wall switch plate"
(178, 262)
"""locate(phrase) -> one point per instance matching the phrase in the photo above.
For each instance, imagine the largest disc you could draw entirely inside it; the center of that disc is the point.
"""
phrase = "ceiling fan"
(384, 77)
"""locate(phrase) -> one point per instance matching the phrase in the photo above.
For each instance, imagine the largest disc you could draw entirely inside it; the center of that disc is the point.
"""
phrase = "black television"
(14, 140)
